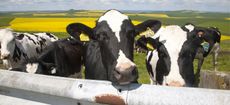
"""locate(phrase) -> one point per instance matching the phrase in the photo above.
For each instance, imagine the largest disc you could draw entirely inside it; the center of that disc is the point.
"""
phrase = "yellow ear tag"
(149, 46)
(147, 33)
(84, 37)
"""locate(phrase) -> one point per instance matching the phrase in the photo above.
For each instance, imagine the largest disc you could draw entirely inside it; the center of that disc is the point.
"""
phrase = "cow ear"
(148, 43)
(142, 42)
(154, 25)
(76, 29)
(188, 27)
(155, 43)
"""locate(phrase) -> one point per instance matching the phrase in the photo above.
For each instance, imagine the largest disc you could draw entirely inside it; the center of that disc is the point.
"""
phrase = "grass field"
(56, 22)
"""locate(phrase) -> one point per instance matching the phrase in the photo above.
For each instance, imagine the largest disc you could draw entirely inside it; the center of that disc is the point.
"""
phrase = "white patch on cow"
(218, 33)
(175, 38)
(114, 20)
(190, 27)
(122, 59)
(32, 67)
(45, 36)
(53, 71)
(153, 63)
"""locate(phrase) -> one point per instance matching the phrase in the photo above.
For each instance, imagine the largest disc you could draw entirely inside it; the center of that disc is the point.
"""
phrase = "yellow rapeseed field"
(225, 37)
(49, 24)
(227, 18)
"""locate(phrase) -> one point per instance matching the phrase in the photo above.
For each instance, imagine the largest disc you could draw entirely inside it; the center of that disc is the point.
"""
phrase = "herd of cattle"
(109, 53)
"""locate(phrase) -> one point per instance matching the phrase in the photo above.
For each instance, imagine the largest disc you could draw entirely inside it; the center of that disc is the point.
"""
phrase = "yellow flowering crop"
(49, 24)
(225, 37)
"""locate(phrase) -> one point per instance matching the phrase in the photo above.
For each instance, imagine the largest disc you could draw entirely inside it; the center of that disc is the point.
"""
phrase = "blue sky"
(155, 5)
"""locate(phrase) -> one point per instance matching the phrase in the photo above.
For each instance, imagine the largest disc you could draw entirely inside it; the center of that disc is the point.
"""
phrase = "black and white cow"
(109, 53)
(60, 58)
(171, 63)
(210, 43)
(16, 47)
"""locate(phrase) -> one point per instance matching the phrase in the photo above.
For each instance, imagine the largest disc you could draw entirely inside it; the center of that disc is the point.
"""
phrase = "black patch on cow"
(93, 54)
(38, 51)
(108, 45)
(42, 44)
(25, 55)
(17, 54)
(163, 64)
(127, 35)
(20, 36)
(31, 39)
(50, 35)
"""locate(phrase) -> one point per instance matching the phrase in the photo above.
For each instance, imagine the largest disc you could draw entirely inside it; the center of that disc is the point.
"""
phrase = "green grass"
(223, 59)
(139, 59)
(4, 21)
(60, 34)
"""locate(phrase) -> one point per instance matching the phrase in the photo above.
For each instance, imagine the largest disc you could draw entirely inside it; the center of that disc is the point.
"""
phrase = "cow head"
(7, 40)
(115, 33)
(176, 48)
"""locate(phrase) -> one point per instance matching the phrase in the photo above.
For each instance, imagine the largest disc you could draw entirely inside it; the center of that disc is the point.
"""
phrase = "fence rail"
(41, 89)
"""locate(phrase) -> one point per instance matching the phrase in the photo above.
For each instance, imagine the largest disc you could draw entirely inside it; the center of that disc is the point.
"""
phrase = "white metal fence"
(18, 88)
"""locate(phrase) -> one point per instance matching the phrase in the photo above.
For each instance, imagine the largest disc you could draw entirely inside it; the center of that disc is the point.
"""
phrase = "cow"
(210, 43)
(109, 53)
(60, 58)
(17, 47)
(171, 63)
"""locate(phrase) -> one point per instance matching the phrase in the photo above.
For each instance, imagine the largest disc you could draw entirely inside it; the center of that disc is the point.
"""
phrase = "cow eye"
(101, 36)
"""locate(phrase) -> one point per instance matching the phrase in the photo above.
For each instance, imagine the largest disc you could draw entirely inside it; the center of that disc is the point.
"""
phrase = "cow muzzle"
(126, 73)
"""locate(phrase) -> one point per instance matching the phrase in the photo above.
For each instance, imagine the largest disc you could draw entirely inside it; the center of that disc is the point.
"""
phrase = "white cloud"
(204, 5)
